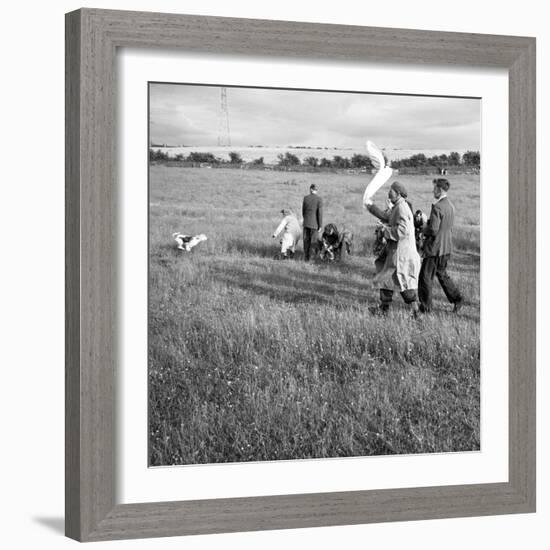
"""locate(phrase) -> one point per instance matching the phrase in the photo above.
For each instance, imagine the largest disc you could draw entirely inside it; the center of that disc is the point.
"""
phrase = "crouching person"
(291, 233)
(334, 242)
(401, 262)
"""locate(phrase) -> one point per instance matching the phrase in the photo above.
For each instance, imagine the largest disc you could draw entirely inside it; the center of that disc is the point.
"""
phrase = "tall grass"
(251, 358)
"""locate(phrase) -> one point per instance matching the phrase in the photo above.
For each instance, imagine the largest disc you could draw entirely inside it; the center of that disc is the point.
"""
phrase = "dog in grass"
(188, 242)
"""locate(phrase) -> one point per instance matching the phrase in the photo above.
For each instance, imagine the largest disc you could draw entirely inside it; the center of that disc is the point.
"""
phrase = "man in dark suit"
(438, 246)
(312, 211)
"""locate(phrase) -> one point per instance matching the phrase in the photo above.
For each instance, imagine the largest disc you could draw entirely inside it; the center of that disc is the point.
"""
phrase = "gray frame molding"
(92, 37)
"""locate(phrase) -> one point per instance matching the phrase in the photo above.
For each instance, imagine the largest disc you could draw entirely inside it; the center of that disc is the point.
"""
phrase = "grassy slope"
(257, 359)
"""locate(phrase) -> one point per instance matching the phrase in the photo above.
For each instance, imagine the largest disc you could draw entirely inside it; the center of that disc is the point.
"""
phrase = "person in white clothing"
(291, 233)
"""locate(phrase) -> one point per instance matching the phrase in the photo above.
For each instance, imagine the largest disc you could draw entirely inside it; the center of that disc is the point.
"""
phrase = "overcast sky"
(190, 115)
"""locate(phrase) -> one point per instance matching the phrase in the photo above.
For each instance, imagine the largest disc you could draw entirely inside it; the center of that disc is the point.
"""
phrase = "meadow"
(252, 358)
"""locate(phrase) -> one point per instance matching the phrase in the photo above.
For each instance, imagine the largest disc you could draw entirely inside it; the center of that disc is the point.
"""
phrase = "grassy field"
(253, 358)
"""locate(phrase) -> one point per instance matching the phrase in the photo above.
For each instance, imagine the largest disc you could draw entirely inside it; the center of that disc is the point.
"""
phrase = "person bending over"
(291, 232)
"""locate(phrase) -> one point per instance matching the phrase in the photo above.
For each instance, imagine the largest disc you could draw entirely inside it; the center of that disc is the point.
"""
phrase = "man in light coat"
(401, 266)
(438, 246)
(291, 233)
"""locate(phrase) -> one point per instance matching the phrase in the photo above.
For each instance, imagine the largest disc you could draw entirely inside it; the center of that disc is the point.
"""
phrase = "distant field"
(253, 358)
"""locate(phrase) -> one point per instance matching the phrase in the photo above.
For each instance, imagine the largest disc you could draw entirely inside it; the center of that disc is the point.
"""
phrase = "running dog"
(187, 242)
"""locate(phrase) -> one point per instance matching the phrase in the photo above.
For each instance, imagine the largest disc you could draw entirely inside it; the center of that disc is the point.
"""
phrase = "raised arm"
(382, 215)
(281, 226)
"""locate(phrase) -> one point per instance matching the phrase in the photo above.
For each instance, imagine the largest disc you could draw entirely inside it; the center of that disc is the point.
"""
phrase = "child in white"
(291, 230)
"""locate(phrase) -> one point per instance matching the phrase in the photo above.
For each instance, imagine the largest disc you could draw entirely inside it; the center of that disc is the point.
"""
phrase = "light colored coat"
(290, 227)
(402, 264)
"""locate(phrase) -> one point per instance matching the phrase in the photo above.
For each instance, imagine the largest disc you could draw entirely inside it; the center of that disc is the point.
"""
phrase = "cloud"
(191, 115)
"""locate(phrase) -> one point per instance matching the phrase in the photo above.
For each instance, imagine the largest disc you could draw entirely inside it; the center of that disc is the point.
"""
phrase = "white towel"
(383, 173)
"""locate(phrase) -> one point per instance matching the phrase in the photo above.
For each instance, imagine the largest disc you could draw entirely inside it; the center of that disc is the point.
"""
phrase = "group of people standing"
(399, 267)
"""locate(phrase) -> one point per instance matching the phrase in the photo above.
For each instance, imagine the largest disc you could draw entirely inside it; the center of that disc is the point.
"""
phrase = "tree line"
(356, 161)
(420, 160)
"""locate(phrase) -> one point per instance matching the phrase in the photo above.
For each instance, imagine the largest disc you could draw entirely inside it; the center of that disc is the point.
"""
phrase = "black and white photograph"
(314, 274)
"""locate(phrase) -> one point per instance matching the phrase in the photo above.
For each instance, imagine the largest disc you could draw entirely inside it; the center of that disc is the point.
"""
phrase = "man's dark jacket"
(312, 211)
(439, 230)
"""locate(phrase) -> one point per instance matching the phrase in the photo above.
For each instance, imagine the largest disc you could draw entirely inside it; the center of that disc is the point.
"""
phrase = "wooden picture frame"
(92, 39)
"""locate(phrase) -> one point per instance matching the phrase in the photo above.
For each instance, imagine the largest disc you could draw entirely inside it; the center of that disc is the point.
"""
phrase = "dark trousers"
(436, 265)
(310, 242)
(386, 297)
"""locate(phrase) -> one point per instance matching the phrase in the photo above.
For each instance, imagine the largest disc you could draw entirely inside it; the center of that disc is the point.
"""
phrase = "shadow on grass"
(271, 249)
(342, 284)
(326, 284)
(288, 283)
(355, 265)
(261, 250)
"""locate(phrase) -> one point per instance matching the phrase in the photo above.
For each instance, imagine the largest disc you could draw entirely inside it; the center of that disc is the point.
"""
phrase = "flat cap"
(399, 188)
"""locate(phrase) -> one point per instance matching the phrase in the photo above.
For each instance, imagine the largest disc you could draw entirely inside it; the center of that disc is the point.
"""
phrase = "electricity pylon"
(224, 136)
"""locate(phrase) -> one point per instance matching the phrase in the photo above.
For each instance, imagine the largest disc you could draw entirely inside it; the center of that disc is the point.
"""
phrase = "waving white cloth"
(383, 172)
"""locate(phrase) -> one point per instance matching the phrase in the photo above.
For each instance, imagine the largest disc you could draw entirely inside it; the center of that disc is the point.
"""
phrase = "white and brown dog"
(187, 242)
